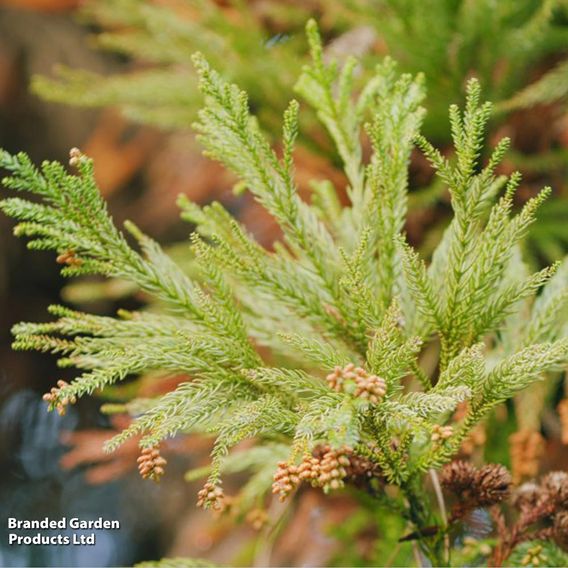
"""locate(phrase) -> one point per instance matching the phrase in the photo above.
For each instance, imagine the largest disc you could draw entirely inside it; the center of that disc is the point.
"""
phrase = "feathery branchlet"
(357, 382)
(54, 398)
(476, 437)
(151, 464)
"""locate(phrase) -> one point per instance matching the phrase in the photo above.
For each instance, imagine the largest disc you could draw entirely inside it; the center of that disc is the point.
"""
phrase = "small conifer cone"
(151, 464)
(476, 487)
(211, 496)
(526, 448)
(493, 484)
(555, 484)
(457, 477)
(563, 414)
(286, 479)
(528, 496)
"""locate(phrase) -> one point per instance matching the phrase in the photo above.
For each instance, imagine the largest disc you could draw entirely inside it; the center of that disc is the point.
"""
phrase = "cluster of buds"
(211, 496)
(151, 464)
(482, 487)
(441, 433)
(56, 401)
(526, 449)
(69, 258)
(75, 156)
(327, 468)
(286, 479)
(562, 409)
(257, 518)
(535, 556)
(357, 382)
(327, 471)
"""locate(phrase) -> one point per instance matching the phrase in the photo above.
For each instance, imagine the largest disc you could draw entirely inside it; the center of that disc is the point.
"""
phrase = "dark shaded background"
(32, 484)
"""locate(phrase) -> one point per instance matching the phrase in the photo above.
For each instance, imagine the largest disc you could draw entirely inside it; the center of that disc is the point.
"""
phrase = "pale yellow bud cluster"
(75, 156)
(534, 557)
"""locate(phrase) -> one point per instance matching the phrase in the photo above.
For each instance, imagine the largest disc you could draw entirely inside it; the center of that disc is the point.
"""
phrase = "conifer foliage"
(312, 349)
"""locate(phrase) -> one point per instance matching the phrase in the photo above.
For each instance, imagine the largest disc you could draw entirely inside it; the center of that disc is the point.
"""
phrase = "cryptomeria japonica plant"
(314, 349)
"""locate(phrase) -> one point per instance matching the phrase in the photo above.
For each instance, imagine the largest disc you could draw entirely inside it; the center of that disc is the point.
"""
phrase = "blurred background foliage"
(115, 78)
